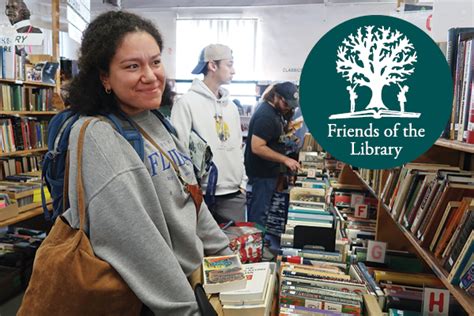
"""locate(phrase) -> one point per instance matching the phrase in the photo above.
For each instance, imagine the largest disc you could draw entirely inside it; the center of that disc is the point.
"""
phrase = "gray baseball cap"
(209, 53)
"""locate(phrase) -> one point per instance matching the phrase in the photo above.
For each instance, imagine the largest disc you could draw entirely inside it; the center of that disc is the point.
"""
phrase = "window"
(239, 34)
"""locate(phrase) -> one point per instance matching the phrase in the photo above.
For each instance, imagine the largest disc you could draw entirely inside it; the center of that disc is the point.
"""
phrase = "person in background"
(207, 109)
(264, 150)
(168, 99)
(239, 106)
(141, 219)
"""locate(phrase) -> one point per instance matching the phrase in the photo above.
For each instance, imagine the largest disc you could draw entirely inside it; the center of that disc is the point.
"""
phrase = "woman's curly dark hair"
(99, 44)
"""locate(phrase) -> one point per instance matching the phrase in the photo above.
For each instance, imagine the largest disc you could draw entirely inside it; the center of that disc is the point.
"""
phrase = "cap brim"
(199, 68)
(293, 103)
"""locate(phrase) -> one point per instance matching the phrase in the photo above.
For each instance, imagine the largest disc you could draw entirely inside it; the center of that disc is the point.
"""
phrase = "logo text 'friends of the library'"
(370, 106)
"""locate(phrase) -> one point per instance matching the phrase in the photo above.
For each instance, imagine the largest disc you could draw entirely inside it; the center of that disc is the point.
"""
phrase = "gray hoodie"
(198, 109)
(139, 218)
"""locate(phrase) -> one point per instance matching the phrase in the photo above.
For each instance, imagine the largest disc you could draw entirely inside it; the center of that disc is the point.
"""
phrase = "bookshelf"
(29, 113)
(24, 152)
(397, 236)
(25, 109)
(465, 300)
(28, 83)
(38, 210)
(455, 145)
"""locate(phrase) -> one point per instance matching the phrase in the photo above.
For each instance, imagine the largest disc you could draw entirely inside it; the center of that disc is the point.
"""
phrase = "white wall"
(451, 13)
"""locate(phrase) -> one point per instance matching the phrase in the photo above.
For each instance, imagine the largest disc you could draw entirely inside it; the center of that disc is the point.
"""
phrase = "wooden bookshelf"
(26, 113)
(24, 152)
(28, 83)
(466, 301)
(389, 230)
(23, 216)
(455, 145)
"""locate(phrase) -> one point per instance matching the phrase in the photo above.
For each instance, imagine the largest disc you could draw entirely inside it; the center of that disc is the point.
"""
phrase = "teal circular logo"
(376, 92)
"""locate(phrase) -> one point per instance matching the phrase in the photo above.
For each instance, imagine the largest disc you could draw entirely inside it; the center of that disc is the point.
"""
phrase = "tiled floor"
(11, 307)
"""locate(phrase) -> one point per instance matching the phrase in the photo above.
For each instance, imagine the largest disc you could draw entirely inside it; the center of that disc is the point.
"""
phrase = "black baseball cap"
(288, 91)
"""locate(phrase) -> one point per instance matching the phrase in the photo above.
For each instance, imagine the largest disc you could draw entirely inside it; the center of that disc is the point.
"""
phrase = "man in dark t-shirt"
(264, 152)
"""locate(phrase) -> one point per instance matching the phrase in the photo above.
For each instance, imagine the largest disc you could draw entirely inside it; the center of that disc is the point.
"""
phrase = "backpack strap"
(125, 127)
(61, 125)
(165, 122)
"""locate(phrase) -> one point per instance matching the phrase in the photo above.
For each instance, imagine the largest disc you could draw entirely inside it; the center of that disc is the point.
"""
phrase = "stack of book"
(21, 193)
(460, 56)
(25, 98)
(17, 249)
(276, 216)
(257, 296)
(311, 162)
(319, 287)
(21, 133)
(307, 208)
(356, 228)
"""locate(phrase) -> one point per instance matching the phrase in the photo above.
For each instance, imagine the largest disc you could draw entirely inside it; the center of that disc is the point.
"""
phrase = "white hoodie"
(200, 109)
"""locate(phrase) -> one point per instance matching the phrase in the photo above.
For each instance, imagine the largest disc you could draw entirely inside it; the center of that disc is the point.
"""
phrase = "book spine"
(341, 296)
(462, 261)
(357, 288)
(431, 209)
(467, 84)
(430, 192)
(459, 242)
(319, 304)
(470, 126)
(369, 279)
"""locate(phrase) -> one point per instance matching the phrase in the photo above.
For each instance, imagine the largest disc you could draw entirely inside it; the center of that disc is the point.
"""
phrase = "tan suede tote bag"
(68, 279)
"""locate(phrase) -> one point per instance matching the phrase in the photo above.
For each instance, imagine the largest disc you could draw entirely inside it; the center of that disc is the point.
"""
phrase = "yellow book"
(419, 279)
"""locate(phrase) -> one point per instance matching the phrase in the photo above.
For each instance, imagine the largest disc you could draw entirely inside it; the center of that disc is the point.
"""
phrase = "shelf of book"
(466, 301)
(38, 210)
(23, 152)
(28, 83)
(455, 145)
(367, 186)
(28, 112)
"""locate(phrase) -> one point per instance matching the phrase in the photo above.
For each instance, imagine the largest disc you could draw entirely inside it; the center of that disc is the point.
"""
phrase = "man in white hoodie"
(207, 109)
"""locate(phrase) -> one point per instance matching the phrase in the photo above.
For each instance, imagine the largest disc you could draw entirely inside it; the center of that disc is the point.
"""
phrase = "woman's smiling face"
(136, 75)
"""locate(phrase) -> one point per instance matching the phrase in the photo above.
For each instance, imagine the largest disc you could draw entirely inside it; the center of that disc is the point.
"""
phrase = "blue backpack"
(54, 161)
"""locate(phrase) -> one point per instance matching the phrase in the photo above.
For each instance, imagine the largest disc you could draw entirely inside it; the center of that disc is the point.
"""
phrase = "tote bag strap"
(79, 181)
(193, 189)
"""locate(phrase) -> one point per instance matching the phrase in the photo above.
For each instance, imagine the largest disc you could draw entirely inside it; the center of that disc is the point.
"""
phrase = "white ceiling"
(157, 4)
(138, 4)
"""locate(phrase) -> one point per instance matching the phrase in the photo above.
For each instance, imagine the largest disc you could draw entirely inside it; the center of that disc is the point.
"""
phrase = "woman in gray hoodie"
(141, 219)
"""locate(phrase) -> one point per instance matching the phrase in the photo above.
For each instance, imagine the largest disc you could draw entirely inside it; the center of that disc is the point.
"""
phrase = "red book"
(470, 126)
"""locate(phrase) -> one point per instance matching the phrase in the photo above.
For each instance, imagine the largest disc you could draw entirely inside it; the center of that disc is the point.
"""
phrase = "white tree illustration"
(376, 58)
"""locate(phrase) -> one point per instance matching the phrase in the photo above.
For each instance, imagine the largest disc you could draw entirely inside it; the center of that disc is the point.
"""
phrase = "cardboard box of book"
(9, 211)
(22, 193)
(7, 208)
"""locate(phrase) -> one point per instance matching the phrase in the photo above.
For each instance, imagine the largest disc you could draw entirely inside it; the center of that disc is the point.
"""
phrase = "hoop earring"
(108, 91)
